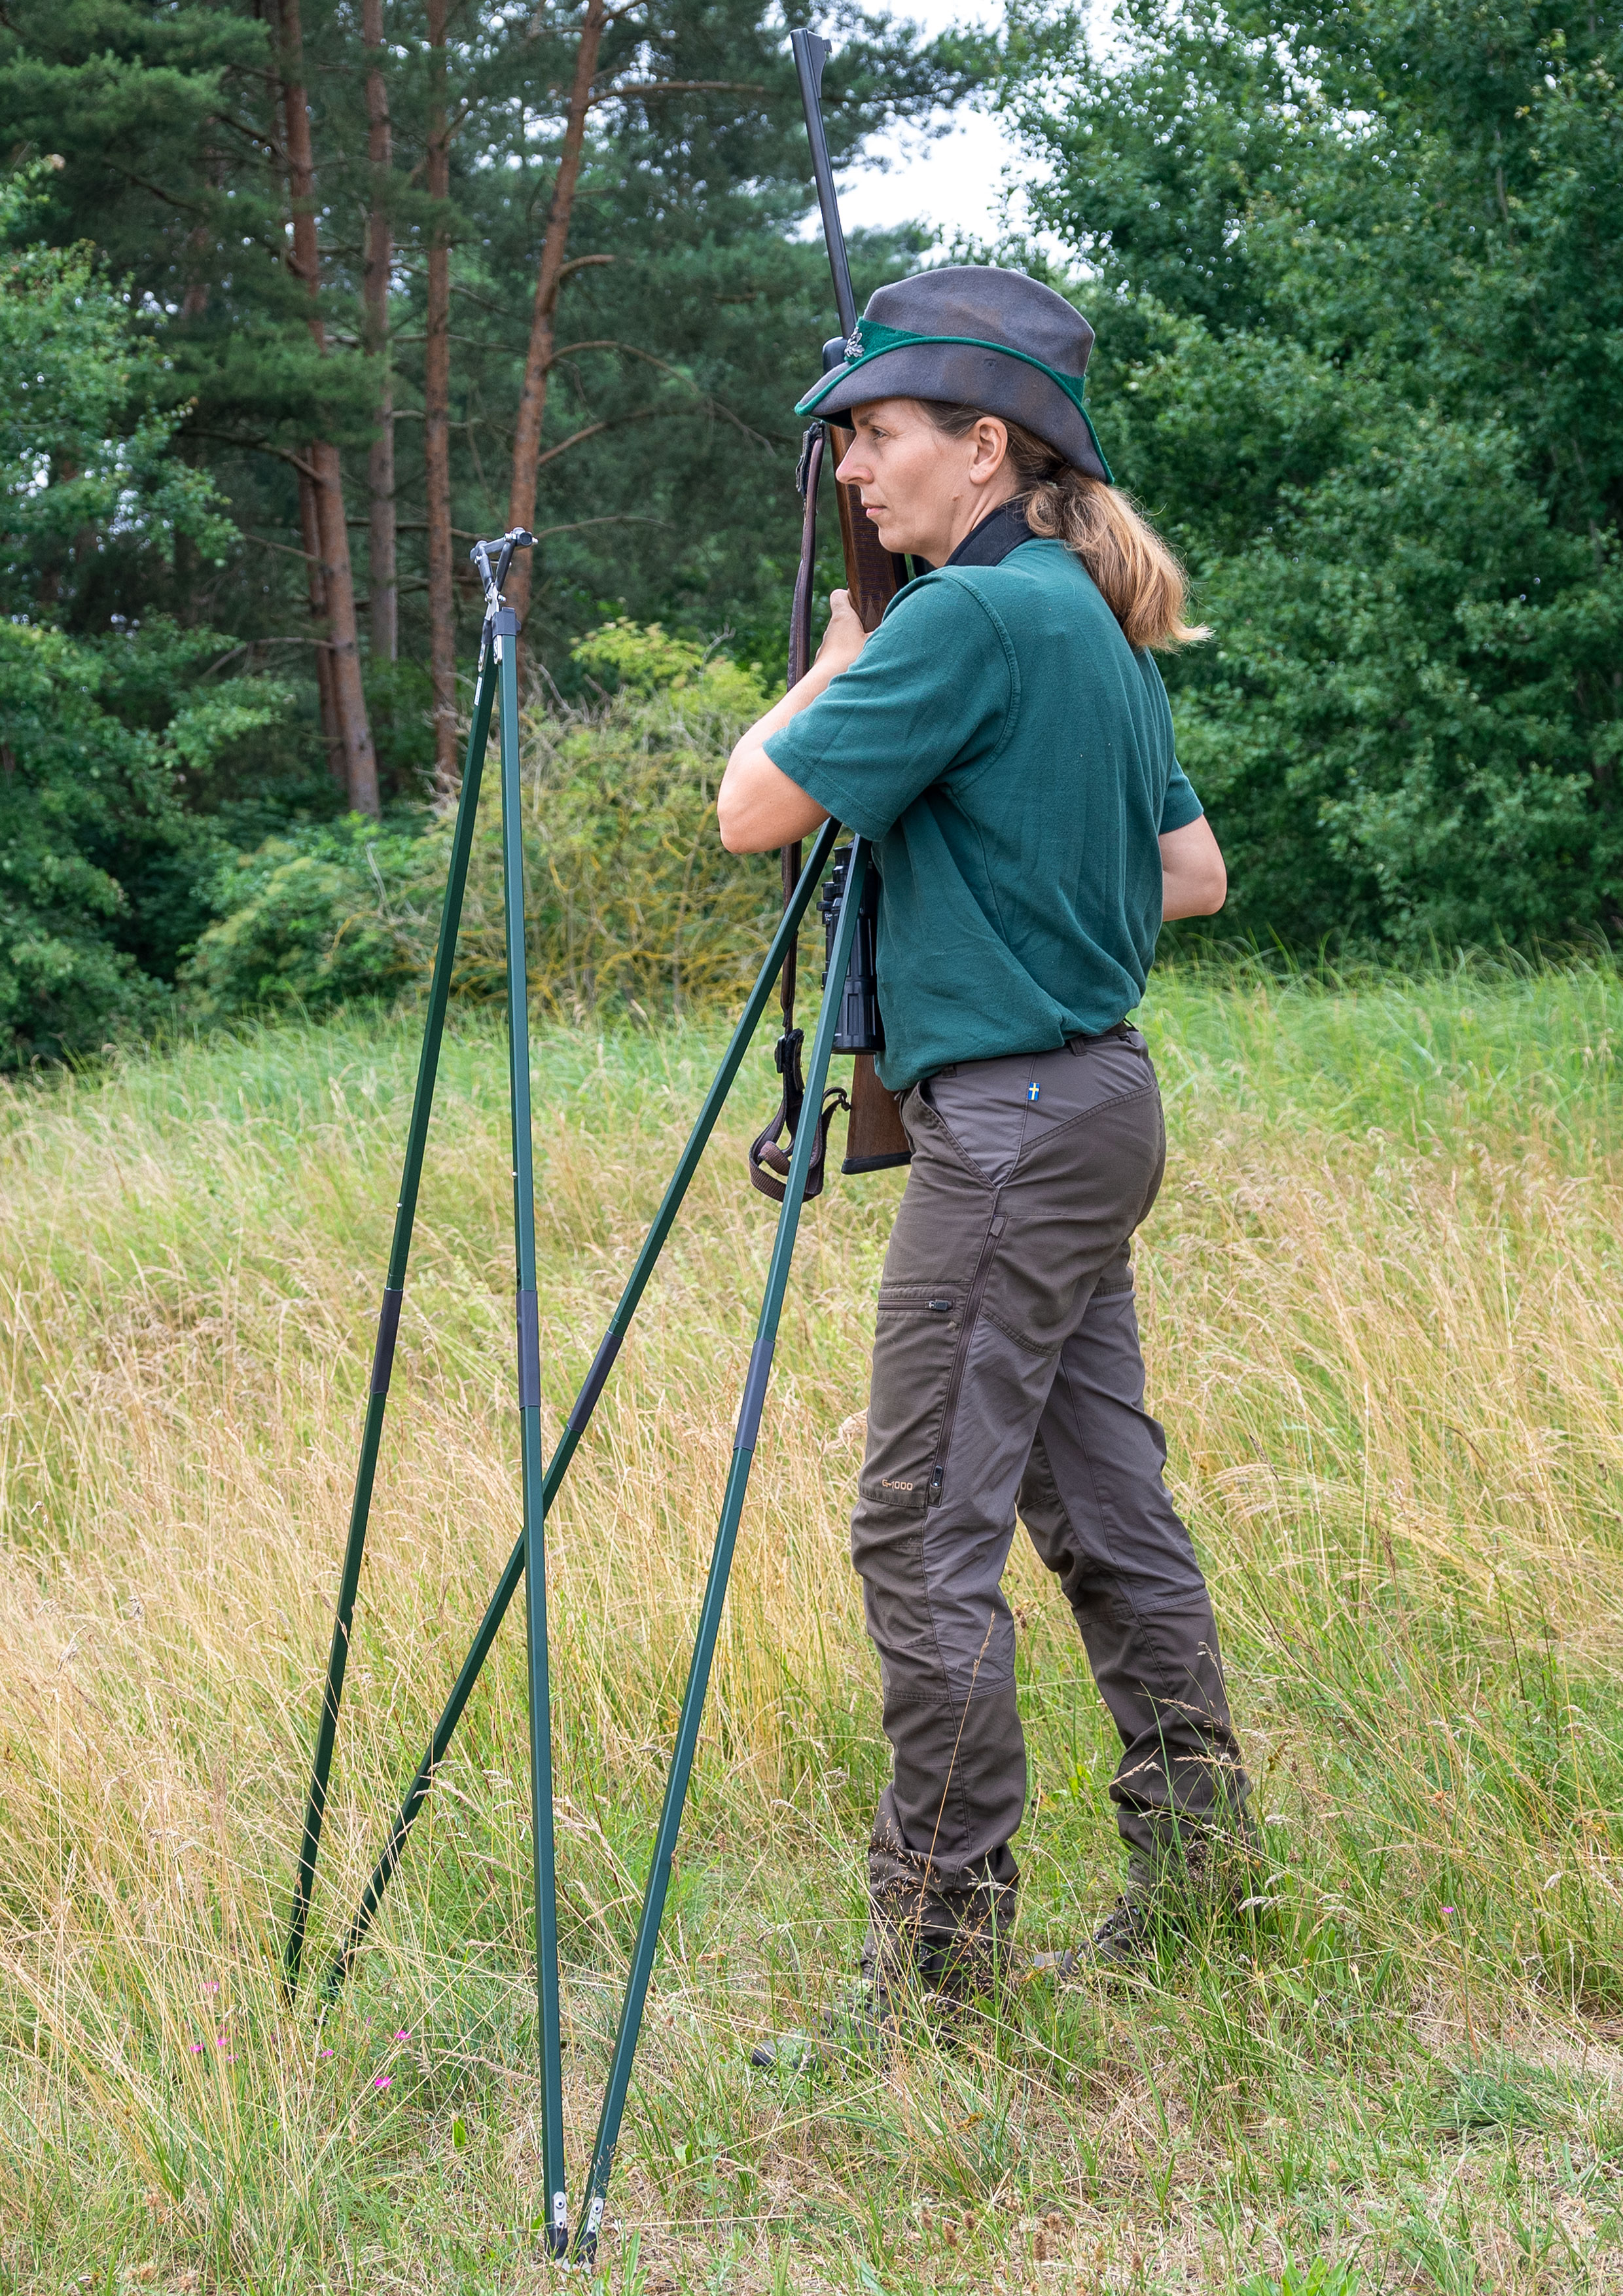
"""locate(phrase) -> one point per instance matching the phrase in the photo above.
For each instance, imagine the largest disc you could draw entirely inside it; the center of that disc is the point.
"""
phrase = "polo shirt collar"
(991, 542)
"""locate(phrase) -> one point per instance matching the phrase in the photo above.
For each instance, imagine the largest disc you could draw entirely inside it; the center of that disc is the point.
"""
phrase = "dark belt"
(1071, 1045)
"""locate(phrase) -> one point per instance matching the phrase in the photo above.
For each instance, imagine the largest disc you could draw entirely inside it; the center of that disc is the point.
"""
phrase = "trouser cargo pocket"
(917, 1333)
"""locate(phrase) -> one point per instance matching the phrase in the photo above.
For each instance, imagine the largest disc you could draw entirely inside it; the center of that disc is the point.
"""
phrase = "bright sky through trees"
(955, 182)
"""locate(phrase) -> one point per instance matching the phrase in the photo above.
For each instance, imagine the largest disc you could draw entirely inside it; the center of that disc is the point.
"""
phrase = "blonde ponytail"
(1137, 576)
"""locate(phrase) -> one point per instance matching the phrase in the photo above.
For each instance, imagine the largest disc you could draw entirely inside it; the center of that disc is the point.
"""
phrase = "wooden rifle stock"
(875, 1137)
(872, 574)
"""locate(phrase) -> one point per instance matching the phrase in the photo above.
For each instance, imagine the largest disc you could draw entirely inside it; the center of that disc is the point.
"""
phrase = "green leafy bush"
(66, 767)
(103, 736)
(333, 912)
(632, 901)
(1394, 726)
(91, 811)
(1357, 277)
(84, 446)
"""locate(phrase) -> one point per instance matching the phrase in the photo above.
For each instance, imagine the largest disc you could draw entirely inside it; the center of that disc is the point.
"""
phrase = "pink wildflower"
(381, 2080)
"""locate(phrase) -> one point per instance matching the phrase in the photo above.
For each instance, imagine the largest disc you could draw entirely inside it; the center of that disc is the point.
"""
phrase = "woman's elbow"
(729, 811)
(1215, 889)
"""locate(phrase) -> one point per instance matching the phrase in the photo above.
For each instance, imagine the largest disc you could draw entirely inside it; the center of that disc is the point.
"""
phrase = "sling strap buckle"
(769, 1162)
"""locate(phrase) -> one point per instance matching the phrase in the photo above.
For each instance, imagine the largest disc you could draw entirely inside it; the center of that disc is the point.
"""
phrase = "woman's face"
(923, 490)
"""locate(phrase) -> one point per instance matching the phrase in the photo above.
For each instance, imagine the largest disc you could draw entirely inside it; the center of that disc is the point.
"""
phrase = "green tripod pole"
(548, 2005)
(389, 1318)
(721, 1562)
(586, 1402)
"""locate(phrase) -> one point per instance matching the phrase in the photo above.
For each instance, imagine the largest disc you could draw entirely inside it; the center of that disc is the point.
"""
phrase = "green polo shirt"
(1010, 758)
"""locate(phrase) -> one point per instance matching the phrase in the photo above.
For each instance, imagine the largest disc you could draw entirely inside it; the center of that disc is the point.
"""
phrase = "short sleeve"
(1180, 806)
(935, 686)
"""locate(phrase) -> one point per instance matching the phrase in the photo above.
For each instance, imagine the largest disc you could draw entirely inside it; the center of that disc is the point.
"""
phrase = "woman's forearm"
(799, 696)
(757, 807)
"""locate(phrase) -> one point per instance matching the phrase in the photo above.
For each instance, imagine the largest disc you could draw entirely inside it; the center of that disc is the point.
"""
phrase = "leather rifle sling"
(769, 1162)
(873, 575)
(876, 1139)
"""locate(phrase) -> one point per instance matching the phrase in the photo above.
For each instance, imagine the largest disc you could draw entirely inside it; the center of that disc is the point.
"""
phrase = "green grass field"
(1381, 1295)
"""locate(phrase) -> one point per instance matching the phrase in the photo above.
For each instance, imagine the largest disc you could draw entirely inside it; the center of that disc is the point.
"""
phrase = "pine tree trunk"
(309, 527)
(349, 699)
(554, 250)
(381, 466)
(436, 425)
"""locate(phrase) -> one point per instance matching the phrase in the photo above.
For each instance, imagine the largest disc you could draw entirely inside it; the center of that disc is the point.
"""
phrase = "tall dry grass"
(1381, 1300)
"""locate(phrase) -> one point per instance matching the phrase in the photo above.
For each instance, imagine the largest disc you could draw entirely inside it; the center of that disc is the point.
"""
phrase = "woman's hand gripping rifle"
(874, 1136)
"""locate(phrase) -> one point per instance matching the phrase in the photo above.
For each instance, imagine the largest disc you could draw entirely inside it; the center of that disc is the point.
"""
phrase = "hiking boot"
(939, 1963)
(931, 1952)
(1193, 1880)
(1124, 1941)
(935, 1975)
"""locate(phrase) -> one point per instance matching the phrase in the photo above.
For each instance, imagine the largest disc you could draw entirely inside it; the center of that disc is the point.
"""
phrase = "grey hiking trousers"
(1007, 1375)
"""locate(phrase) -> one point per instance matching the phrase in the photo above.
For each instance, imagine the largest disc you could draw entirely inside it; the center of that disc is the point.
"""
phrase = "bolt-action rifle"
(874, 1137)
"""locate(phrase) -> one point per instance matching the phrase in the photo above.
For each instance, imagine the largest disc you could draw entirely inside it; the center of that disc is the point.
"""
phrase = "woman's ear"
(991, 450)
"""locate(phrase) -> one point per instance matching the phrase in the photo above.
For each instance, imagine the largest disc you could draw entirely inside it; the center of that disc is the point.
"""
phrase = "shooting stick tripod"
(498, 666)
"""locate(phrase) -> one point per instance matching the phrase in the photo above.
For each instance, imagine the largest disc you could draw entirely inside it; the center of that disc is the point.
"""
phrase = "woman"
(1004, 738)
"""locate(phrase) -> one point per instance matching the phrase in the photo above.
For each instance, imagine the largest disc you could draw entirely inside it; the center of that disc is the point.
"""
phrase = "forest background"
(296, 298)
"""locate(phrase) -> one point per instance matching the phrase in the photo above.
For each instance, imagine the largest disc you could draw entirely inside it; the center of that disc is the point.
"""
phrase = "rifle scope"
(859, 1029)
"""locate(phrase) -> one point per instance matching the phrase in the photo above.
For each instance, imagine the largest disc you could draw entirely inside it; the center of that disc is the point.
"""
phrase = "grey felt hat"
(983, 336)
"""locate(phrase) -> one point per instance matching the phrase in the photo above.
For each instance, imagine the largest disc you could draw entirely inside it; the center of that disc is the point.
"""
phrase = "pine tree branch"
(680, 87)
(141, 182)
(609, 343)
(591, 430)
(251, 134)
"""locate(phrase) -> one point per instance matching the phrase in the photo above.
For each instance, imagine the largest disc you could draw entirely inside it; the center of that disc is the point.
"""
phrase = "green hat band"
(873, 340)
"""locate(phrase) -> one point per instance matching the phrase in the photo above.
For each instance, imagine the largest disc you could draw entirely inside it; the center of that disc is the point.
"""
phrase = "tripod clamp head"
(503, 545)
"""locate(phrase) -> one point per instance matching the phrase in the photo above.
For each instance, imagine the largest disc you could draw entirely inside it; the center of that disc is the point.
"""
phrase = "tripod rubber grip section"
(389, 1326)
(529, 1353)
(603, 1362)
(755, 1396)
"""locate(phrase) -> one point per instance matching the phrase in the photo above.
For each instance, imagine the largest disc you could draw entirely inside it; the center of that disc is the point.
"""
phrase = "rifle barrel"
(811, 54)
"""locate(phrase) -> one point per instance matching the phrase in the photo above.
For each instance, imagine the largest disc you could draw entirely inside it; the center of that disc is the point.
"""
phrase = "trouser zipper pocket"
(972, 1311)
